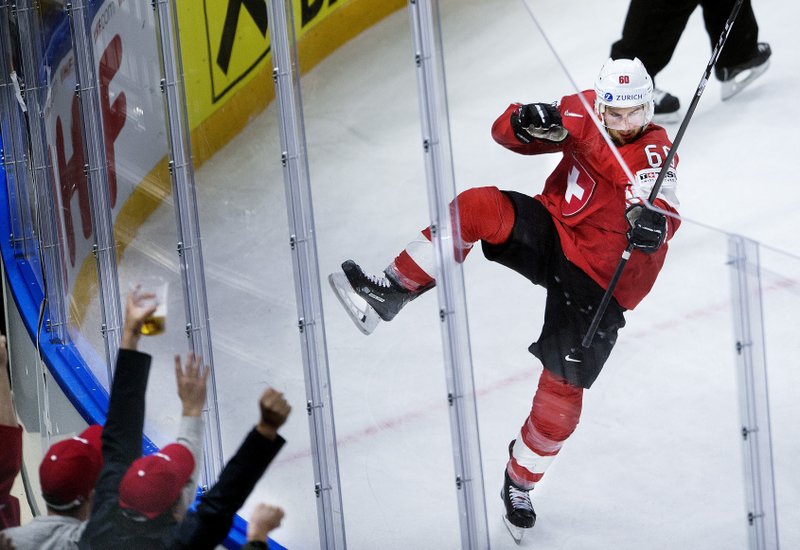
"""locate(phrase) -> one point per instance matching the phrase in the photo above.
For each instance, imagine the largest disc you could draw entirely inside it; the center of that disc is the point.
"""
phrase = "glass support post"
(190, 251)
(35, 93)
(751, 362)
(446, 237)
(96, 171)
(302, 240)
(14, 151)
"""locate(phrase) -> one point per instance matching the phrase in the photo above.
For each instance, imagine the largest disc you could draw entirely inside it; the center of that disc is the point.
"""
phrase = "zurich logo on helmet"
(608, 96)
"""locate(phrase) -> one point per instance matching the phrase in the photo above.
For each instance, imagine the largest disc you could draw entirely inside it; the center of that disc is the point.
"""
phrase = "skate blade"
(357, 308)
(516, 532)
(667, 118)
(738, 83)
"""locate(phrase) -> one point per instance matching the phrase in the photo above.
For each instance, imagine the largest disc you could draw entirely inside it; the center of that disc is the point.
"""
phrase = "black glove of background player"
(540, 121)
(648, 228)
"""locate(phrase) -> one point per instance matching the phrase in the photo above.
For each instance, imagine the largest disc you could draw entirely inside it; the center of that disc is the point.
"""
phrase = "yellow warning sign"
(225, 50)
(237, 39)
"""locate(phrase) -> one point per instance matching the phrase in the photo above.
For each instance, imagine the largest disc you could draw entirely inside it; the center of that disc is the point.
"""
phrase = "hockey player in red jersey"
(568, 239)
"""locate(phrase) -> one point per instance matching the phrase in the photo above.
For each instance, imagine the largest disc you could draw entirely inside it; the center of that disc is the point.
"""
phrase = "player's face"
(624, 124)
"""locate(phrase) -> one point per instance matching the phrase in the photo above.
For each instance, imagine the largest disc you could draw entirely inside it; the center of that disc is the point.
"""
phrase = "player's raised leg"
(485, 213)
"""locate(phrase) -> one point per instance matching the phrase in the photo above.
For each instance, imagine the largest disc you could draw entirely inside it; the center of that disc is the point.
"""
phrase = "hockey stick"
(626, 254)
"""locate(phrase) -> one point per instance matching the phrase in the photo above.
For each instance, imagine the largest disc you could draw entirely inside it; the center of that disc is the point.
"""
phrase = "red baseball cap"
(70, 468)
(154, 483)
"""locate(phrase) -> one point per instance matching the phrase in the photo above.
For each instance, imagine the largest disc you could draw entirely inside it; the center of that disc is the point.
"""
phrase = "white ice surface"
(656, 462)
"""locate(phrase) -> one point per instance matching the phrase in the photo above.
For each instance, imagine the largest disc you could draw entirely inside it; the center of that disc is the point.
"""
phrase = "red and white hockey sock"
(484, 213)
(554, 416)
(415, 266)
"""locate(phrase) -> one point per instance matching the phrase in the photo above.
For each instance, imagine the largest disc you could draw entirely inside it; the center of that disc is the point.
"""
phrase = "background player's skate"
(734, 79)
(666, 107)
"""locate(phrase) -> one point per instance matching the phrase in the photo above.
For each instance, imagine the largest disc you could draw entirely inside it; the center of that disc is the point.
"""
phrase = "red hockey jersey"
(588, 192)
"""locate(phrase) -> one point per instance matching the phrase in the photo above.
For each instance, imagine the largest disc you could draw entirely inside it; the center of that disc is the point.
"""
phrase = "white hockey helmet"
(624, 83)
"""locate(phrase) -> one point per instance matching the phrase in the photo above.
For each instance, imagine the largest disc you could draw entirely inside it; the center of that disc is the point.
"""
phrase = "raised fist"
(265, 518)
(540, 121)
(274, 411)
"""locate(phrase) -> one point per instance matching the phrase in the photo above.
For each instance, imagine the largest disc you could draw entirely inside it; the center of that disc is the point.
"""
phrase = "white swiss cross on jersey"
(580, 187)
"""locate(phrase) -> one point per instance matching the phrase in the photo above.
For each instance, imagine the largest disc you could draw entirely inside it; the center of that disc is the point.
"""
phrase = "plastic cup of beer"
(156, 323)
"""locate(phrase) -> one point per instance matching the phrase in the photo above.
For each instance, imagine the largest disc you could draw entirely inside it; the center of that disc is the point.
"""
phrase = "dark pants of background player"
(534, 251)
(653, 27)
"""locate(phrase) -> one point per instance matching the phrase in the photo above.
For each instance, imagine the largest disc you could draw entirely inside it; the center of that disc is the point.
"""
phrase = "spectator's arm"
(122, 432)
(212, 519)
(122, 436)
(191, 381)
(214, 515)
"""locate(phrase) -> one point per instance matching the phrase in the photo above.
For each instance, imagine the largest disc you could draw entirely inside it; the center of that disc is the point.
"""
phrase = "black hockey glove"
(648, 228)
(540, 121)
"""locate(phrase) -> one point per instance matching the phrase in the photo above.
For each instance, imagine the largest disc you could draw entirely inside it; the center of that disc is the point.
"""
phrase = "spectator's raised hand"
(191, 380)
(140, 306)
(274, 411)
(265, 518)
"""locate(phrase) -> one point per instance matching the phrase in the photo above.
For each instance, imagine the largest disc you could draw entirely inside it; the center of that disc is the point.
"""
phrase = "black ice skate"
(368, 298)
(735, 78)
(519, 515)
(666, 107)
